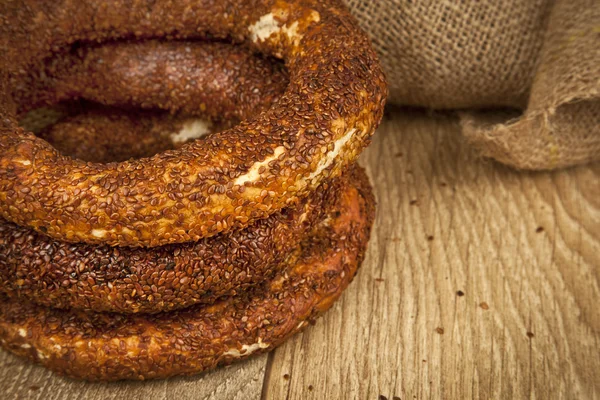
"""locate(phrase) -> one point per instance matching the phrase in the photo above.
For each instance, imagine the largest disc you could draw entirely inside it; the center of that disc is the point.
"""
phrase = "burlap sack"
(539, 56)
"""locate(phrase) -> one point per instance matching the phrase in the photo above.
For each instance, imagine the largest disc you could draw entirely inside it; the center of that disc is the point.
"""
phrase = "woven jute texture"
(540, 57)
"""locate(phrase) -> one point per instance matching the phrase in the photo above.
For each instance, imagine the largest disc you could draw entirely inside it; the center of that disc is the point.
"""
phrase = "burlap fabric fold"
(540, 57)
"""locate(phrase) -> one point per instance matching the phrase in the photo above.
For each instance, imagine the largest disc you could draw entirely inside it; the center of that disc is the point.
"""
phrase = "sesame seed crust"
(105, 347)
(325, 117)
(218, 81)
(150, 280)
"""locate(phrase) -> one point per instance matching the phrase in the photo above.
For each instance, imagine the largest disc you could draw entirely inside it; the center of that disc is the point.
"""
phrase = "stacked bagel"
(139, 241)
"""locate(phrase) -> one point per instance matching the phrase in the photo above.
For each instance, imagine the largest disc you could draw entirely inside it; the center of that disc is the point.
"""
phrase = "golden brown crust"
(318, 127)
(112, 347)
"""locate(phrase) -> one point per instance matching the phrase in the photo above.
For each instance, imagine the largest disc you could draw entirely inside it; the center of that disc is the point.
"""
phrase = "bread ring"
(326, 116)
(112, 347)
(103, 278)
(151, 280)
(127, 280)
(214, 80)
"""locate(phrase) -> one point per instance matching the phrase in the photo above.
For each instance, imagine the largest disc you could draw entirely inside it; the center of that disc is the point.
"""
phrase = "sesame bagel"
(217, 81)
(96, 346)
(149, 280)
(325, 117)
(146, 280)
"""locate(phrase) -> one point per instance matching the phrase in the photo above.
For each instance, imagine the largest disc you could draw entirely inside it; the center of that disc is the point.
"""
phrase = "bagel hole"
(94, 132)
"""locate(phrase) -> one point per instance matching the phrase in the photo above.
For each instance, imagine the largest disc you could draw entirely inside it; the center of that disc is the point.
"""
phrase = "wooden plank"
(480, 282)
(22, 380)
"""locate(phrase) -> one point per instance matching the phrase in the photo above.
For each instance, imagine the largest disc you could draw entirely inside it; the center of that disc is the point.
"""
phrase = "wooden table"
(480, 282)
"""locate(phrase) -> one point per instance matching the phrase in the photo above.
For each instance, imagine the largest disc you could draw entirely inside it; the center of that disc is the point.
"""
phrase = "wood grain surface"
(480, 282)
